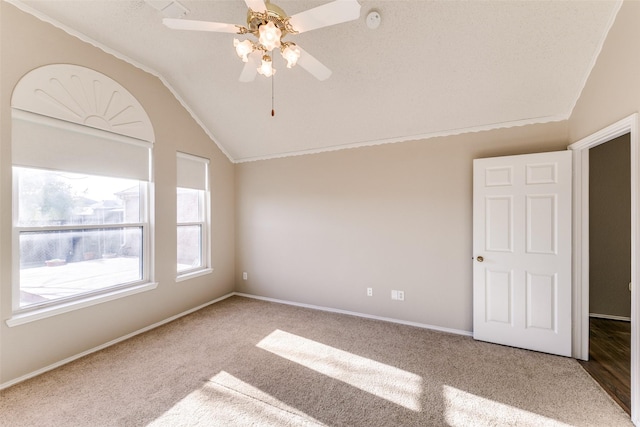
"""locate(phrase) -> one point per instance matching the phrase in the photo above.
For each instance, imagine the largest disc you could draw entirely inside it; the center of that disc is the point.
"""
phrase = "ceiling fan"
(270, 24)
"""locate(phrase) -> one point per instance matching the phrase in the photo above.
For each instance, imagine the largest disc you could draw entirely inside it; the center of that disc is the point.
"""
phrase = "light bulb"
(291, 53)
(269, 36)
(266, 69)
(243, 49)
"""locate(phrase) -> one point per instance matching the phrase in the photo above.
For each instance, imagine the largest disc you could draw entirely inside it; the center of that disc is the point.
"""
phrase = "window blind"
(44, 142)
(192, 172)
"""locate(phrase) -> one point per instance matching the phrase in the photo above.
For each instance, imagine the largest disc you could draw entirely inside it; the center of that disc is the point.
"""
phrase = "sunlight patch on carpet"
(387, 382)
(465, 409)
(228, 401)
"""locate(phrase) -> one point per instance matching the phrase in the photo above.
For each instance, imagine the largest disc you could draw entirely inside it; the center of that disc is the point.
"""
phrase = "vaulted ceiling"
(431, 68)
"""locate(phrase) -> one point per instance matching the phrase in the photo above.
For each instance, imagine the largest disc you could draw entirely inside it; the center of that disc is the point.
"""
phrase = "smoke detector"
(373, 19)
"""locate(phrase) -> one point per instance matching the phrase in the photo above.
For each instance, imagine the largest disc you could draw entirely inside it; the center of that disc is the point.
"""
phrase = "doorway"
(610, 268)
(581, 252)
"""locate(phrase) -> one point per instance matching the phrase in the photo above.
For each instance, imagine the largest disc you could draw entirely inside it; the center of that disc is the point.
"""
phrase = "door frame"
(580, 230)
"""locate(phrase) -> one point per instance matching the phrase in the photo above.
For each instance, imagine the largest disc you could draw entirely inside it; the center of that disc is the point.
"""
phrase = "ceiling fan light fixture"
(266, 69)
(243, 48)
(269, 36)
(291, 54)
(267, 25)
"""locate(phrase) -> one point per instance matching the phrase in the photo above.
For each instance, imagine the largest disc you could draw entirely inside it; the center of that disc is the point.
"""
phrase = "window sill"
(65, 307)
(192, 274)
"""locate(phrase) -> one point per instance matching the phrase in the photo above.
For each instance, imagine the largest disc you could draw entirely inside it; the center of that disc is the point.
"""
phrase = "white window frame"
(80, 95)
(62, 305)
(202, 184)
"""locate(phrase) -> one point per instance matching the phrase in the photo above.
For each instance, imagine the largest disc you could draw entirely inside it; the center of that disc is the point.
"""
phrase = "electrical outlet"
(397, 295)
(244, 275)
(369, 292)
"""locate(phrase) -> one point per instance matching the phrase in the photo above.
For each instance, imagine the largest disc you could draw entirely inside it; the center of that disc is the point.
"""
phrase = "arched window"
(81, 155)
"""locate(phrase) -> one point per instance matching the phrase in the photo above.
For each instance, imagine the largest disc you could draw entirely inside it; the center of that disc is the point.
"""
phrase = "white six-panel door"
(522, 251)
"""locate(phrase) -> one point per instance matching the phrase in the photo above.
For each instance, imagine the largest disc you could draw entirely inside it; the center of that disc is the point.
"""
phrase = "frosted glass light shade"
(269, 36)
(243, 48)
(266, 69)
(291, 53)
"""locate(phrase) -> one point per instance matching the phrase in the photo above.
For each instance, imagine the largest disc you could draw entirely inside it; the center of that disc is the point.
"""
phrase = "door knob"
(480, 258)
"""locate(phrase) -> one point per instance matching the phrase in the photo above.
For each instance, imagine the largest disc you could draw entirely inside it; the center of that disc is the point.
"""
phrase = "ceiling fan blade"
(313, 66)
(185, 24)
(336, 12)
(250, 68)
(256, 5)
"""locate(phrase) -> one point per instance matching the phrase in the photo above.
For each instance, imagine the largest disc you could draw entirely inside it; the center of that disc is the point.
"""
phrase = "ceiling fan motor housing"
(273, 14)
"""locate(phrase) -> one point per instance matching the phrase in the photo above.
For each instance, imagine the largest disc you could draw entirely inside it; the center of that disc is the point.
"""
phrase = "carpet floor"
(245, 362)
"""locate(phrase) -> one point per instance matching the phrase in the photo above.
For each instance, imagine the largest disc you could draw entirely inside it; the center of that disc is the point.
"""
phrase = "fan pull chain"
(273, 111)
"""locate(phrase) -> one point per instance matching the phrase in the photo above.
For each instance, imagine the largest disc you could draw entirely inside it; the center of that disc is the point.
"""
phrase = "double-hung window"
(81, 211)
(193, 216)
(81, 150)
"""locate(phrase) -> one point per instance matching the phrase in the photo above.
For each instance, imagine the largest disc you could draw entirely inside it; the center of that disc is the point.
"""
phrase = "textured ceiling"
(431, 68)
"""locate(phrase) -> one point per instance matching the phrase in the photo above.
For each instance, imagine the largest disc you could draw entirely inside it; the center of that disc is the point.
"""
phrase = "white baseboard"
(108, 344)
(610, 317)
(353, 313)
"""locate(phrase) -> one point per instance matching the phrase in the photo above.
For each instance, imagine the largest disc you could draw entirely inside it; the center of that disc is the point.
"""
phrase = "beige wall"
(610, 228)
(320, 229)
(27, 43)
(612, 93)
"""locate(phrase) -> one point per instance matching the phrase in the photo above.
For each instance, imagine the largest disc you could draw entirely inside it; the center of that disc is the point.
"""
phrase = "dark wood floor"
(610, 358)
